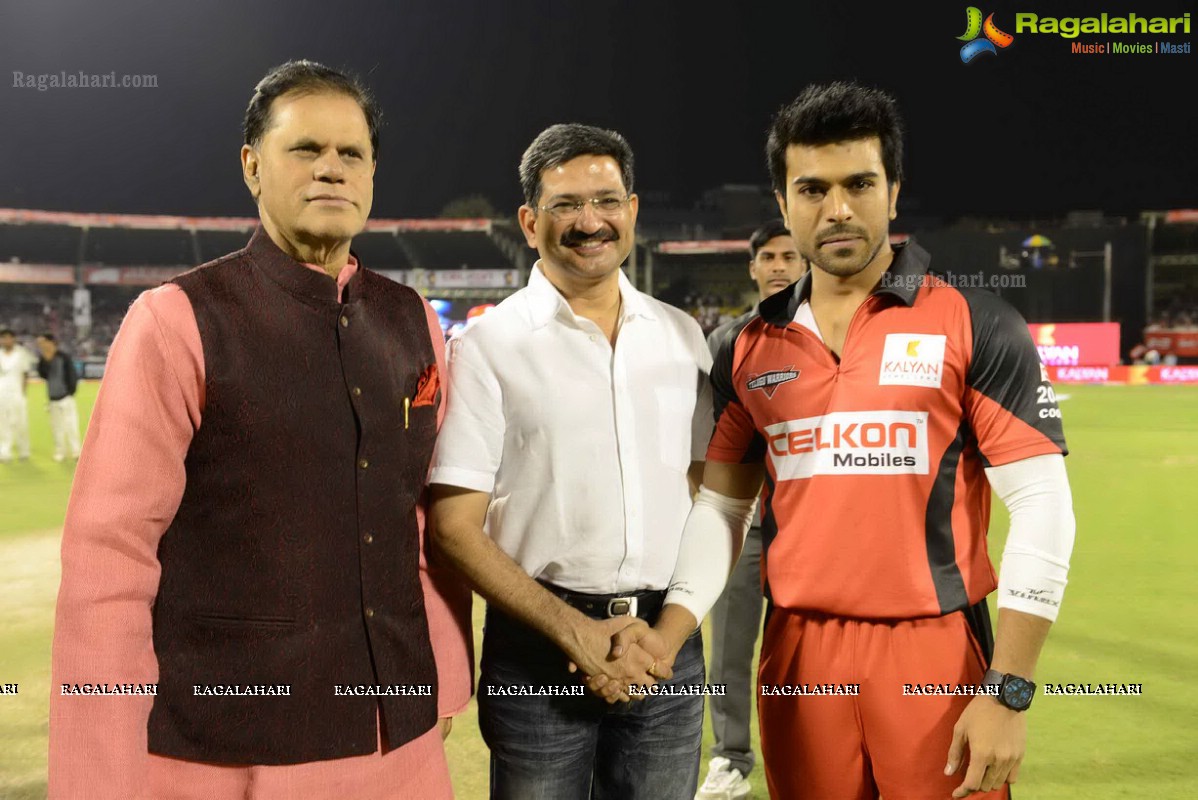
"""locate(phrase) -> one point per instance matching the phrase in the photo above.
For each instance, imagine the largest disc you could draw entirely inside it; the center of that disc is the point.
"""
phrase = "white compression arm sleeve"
(1035, 561)
(711, 540)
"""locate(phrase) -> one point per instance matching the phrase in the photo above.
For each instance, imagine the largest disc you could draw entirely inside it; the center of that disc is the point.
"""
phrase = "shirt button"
(344, 321)
(357, 391)
(368, 538)
(363, 463)
(369, 612)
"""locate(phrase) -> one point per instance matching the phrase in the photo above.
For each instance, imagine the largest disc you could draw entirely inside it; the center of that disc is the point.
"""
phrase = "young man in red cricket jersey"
(885, 405)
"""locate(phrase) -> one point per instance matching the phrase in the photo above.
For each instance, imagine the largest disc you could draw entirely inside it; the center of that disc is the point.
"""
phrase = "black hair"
(558, 144)
(761, 236)
(307, 77)
(49, 337)
(836, 112)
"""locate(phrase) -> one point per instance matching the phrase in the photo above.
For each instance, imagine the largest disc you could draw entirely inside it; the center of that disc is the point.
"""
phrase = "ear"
(249, 170)
(528, 224)
(894, 193)
(634, 205)
(753, 270)
(781, 198)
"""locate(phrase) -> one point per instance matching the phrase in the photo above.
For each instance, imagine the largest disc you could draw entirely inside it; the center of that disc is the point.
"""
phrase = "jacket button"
(369, 611)
(357, 391)
(363, 463)
(368, 538)
(344, 321)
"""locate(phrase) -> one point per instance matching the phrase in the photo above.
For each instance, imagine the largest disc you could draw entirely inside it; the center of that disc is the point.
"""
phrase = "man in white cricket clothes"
(560, 488)
(15, 362)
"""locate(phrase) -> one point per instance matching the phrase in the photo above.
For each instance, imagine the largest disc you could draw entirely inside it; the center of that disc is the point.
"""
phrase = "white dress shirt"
(583, 448)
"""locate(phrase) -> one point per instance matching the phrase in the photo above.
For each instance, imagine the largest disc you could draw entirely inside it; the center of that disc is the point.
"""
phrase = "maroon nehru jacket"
(293, 558)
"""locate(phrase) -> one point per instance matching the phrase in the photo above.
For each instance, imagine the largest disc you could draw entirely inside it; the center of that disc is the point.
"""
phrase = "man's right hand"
(589, 648)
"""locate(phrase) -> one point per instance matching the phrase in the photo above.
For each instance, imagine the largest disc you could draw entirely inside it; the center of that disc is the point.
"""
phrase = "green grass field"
(1129, 615)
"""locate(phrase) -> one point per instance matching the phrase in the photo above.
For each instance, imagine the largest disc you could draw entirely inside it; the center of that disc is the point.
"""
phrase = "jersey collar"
(910, 264)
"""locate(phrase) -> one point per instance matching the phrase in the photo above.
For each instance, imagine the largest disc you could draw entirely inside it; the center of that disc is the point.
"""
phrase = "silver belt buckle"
(621, 607)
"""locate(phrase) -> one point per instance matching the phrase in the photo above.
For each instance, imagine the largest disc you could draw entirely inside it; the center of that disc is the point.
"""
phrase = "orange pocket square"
(427, 387)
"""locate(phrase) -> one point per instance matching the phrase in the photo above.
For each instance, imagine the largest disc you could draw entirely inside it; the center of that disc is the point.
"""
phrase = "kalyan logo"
(769, 382)
(974, 26)
(912, 359)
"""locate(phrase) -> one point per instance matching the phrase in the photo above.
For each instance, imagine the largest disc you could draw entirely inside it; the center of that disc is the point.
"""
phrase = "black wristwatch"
(1014, 692)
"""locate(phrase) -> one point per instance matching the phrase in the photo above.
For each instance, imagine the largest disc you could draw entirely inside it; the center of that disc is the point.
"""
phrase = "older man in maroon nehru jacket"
(246, 608)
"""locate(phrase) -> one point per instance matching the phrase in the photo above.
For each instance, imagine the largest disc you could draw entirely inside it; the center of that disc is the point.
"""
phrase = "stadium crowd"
(1181, 312)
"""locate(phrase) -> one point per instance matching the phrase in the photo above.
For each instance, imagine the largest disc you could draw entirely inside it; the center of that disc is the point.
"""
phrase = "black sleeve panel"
(722, 343)
(1005, 367)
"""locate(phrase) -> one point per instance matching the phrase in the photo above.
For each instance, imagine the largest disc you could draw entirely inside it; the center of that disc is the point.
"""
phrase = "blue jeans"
(579, 747)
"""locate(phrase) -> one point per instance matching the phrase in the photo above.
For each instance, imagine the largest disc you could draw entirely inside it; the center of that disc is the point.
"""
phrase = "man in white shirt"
(560, 486)
(15, 361)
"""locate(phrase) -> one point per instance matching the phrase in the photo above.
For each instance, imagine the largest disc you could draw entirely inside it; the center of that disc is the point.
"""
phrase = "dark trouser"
(735, 624)
(579, 747)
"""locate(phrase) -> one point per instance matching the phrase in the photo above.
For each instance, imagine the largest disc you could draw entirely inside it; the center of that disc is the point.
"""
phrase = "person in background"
(58, 371)
(15, 362)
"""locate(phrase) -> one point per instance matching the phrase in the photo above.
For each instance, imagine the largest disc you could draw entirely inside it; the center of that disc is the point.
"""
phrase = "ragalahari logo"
(974, 26)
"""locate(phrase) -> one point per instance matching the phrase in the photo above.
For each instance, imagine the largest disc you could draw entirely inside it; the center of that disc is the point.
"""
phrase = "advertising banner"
(1178, 342)
(1135, 375)
(1068, 344)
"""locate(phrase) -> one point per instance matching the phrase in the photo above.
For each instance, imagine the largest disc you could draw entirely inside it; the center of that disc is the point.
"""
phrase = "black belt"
(645, 604)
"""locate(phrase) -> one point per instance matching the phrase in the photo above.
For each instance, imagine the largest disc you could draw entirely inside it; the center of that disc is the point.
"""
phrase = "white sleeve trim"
(714, 532)
(463, 478)
(1035, 562)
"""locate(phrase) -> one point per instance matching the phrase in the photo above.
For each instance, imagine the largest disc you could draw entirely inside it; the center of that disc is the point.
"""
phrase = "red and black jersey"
(877, 505)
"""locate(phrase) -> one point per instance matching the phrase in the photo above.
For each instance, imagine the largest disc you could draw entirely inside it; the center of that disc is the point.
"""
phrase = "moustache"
(573, 237)
(839, 232)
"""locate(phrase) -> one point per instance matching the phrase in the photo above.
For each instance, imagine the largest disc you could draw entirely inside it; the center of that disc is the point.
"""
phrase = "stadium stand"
(453, 250)
(1152, 290)
(382, 250)
(713, 287)
(40, 244)
(128, 247)
(214, 244)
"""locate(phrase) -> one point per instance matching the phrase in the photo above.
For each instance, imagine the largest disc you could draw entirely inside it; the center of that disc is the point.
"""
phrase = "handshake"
(615, 654)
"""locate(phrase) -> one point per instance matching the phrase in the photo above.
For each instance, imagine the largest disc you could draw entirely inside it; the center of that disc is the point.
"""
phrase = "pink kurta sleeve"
(446, 596)
(128, 486)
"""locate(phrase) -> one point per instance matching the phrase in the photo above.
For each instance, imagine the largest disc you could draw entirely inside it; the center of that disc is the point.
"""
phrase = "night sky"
(1032, 131)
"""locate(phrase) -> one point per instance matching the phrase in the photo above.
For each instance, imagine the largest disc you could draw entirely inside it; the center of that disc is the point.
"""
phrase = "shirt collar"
(545, 302)
(909, 265)
(305, 281)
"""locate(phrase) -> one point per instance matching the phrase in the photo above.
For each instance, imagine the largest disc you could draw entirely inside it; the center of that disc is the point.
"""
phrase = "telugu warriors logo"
(994, 38)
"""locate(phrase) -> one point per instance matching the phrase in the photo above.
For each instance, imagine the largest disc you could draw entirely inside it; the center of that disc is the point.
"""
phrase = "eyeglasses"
(566, 210)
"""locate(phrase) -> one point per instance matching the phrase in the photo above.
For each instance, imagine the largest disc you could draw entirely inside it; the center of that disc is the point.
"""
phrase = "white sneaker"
(723, 782)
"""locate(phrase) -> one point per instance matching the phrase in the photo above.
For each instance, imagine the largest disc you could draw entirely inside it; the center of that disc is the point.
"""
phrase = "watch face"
(1017, 693)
